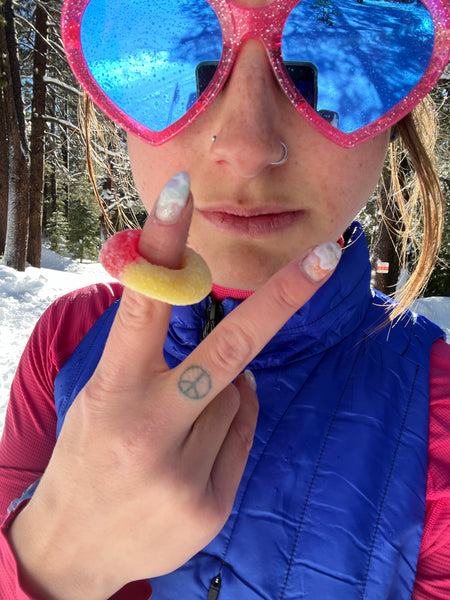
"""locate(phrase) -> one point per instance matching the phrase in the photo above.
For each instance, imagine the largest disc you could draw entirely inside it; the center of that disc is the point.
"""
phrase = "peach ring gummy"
(189, 284)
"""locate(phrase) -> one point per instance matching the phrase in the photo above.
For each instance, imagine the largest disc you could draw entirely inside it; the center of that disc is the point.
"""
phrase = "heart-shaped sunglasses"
(352, 68)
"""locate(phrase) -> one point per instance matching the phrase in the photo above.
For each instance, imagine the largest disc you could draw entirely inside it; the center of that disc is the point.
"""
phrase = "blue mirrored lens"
(368, 54)
(144, 54)
(353, 60)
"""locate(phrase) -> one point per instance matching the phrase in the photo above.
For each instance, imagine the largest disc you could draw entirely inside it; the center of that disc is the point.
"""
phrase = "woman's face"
(250, 217)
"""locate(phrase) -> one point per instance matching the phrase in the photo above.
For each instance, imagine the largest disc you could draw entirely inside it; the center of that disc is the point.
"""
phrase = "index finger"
(237, 339)
(136, 339)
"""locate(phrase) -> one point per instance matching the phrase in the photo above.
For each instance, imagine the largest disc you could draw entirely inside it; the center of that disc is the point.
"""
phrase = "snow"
(436, 309)
(25, 296)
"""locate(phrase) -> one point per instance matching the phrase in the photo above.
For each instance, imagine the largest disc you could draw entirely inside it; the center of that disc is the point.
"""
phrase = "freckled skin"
(327, 184)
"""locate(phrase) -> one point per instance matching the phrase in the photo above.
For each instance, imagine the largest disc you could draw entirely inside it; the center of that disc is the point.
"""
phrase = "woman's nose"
(248, 138)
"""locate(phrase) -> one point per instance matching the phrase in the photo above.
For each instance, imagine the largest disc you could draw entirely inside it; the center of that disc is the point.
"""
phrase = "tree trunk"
(50, 184)
(3, 165)
(37, 145)
(385, 258)
(17, 222)
(65, 155)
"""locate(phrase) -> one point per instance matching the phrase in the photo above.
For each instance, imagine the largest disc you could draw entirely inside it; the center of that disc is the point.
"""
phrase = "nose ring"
(284, 157)
(282, 160)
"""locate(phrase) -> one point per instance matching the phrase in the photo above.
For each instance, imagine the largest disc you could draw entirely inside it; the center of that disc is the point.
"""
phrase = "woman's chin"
(242, 264)
(242, 274)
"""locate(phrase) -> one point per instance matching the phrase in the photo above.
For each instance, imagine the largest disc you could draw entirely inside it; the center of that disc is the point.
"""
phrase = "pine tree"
(58, 230)
(84, 231)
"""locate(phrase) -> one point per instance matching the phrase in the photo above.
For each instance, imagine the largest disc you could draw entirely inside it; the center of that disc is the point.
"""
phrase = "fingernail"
(173, 198)
(321, 261)
(250, 378)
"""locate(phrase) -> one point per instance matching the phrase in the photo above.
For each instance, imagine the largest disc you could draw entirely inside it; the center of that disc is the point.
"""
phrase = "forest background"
(65, 180)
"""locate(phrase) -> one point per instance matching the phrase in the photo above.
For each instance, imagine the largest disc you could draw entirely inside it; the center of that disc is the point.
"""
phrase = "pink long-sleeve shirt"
(30, 426)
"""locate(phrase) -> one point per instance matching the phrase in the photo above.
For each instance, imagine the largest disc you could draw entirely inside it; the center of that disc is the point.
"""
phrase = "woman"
(143, 442)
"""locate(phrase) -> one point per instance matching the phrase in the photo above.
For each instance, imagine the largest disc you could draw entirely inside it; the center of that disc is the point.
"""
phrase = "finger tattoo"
(195, 383)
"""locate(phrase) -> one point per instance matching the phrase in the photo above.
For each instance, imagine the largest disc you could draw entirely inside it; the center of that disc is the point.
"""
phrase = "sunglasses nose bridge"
(264, 23)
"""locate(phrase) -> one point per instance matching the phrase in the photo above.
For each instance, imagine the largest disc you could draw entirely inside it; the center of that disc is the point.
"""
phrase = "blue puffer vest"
(331, 504)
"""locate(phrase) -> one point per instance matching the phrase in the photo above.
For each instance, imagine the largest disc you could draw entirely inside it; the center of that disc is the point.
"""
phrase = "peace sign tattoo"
(195, 383)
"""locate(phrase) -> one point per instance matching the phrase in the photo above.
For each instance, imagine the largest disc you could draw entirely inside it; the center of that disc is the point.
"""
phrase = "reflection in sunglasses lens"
(368, 54)
(148, 67)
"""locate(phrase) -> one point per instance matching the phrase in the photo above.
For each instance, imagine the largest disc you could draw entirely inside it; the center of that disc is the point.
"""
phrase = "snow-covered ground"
(437, 310)
(25, 296)
(23, 299)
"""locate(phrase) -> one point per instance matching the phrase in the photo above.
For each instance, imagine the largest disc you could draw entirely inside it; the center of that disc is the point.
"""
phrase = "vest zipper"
(214, 314)
(214, 588)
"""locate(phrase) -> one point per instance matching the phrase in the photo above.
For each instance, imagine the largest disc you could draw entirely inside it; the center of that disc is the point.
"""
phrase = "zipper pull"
(214, 314)
(214, 588)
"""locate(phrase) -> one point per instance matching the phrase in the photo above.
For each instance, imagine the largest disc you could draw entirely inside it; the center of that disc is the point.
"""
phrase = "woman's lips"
(252, 225)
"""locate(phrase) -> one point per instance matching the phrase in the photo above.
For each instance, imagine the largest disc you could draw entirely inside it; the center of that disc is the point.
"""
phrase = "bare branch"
(62, 122)
(63, 85)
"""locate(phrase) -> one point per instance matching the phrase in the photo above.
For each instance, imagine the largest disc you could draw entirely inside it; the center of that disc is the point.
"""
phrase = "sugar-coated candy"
(188, 284)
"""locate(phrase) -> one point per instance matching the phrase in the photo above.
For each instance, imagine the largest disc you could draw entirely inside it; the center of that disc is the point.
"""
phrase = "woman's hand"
(149, 460)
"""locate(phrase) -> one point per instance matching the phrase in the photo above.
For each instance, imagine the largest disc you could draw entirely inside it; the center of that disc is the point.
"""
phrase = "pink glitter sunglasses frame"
(265, 24)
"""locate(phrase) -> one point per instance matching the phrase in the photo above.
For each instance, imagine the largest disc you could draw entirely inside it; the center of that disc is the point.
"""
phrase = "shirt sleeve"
(9, 581)
(30, 423)
(433, 569)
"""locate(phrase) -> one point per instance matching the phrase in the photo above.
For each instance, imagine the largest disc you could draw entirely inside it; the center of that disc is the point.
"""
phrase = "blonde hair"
(102, 140)
(417, 198)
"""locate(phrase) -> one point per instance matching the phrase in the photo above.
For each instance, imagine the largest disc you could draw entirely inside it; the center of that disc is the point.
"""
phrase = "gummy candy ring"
(189, 284)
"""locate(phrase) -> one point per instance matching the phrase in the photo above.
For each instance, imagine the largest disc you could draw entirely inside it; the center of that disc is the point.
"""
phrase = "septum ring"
(277, 162)
(284, 157)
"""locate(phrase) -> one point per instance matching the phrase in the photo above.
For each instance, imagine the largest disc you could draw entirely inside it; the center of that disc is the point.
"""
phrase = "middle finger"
(237, 339)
